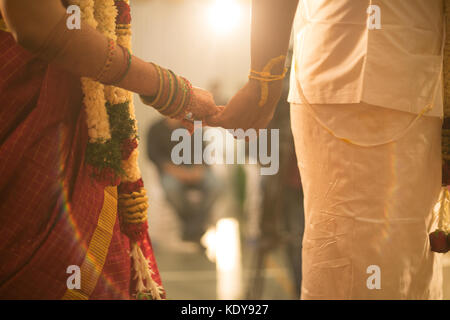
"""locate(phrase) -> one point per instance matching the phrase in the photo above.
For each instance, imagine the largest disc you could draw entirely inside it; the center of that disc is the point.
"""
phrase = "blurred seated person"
(190, 188)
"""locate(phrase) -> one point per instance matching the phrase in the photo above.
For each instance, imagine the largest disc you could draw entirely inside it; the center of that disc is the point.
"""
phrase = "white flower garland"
(101, 14)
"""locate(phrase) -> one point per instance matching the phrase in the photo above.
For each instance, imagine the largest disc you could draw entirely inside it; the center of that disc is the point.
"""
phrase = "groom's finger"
(261, 123)
(216, 119)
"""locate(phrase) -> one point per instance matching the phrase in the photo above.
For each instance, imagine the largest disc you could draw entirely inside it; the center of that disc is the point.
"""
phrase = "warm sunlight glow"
(224, 15)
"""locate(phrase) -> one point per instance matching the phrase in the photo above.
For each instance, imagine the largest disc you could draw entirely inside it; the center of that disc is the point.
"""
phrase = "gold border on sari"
(3, 26)
(94, 260)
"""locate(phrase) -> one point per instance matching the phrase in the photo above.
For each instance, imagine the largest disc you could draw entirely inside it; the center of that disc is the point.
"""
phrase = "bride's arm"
(40, 27)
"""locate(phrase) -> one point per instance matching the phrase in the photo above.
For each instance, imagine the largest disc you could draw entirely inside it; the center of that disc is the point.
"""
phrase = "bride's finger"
(189, 125)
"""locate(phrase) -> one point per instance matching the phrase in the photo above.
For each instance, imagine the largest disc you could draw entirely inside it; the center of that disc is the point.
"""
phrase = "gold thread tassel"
(143, 276)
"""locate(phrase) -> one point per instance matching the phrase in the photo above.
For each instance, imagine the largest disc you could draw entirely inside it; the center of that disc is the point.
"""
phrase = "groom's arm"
(271, 30)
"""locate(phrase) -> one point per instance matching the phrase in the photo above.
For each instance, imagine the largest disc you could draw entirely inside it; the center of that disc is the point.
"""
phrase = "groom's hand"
(243, 111)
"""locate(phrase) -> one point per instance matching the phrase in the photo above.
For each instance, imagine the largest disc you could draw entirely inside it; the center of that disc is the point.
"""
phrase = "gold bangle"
(173, 84)
(183, 100)
(145, 99)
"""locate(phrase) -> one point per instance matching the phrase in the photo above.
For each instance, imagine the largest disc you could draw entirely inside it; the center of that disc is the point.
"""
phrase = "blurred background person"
(190, 188)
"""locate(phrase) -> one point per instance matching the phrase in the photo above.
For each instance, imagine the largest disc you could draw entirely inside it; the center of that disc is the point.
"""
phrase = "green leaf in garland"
(105, 155)
(121, 124)
(108, 154)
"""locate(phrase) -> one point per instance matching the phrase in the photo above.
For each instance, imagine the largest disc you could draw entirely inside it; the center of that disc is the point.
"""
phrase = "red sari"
(49, 204)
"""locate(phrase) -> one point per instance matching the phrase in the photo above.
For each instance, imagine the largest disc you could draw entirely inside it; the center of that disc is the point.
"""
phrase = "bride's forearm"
(40, 27)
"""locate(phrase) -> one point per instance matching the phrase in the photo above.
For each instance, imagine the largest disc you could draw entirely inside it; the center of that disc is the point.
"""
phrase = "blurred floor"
(191, 276)
(187, 275)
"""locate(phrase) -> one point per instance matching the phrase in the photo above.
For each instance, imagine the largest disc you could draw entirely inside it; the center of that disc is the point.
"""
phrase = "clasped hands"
(241, 112)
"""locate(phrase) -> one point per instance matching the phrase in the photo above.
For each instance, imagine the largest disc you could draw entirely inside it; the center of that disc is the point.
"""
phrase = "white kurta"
(339, 59)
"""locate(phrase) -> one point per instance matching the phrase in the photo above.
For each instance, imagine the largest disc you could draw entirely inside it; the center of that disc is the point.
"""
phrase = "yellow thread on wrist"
(269, 77)
(265, 77)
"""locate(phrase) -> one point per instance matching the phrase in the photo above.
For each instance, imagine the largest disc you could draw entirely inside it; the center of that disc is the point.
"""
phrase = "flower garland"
(112, 152)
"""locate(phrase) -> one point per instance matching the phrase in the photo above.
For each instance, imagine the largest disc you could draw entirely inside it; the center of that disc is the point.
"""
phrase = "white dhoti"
(368, 210)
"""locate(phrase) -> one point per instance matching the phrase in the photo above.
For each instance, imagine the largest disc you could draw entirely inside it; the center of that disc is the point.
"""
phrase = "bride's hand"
(201, 107)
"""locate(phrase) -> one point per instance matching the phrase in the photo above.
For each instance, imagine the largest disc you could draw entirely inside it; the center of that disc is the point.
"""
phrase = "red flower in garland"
(123, 12)
(438, 241)
(135, 232)
(106, 176)
(130, 187)
(127, 148)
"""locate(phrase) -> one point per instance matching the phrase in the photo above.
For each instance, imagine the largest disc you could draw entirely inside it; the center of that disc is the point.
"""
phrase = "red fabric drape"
(49, 204)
